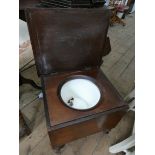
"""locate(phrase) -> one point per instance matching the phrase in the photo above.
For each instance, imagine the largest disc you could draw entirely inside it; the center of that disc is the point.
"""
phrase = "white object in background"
(124, 146)
(40, 95)
(25, 49)
(120, 14)
(130, 141)
(23, 32)
(107, 3)
(80, 94)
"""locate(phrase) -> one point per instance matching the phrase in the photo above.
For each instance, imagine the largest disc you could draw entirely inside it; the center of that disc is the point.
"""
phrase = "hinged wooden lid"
(68, 39)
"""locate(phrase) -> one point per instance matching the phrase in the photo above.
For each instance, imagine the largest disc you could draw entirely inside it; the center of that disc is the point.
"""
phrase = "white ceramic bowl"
(80, 93)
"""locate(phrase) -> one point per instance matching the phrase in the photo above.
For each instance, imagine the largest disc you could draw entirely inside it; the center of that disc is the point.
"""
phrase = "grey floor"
(119, 66)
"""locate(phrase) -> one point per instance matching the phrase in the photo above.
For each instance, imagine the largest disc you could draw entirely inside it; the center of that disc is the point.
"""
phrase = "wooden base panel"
(67, 134)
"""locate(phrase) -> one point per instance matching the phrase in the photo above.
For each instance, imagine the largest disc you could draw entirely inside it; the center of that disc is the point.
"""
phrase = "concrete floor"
(119, 66)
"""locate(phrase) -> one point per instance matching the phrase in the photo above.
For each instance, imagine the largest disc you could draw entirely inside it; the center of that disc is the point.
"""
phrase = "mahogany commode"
(70, 43)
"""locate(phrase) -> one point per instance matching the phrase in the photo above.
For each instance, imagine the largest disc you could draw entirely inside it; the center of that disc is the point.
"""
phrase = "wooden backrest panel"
(68, 39)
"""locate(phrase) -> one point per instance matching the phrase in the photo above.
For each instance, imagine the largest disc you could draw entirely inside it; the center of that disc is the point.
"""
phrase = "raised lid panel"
(67, 39)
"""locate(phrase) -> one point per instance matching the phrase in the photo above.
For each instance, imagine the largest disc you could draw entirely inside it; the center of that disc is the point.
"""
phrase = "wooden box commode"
(68, 46)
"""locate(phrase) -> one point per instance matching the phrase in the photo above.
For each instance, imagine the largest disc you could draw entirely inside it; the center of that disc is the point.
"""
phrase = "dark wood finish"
(70, 42)
(111, 99)
(65, 124)
(23, 4)
(73, 3)
(68, 39)
(73, 132)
